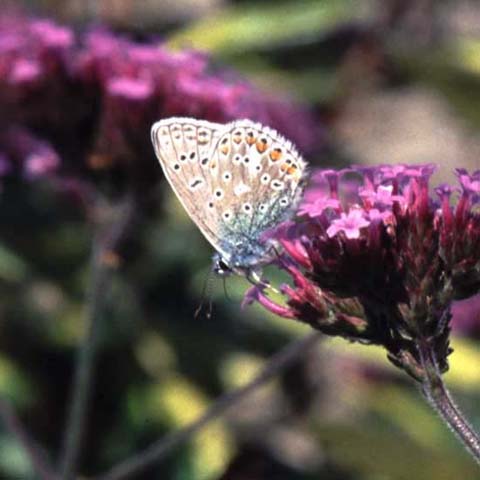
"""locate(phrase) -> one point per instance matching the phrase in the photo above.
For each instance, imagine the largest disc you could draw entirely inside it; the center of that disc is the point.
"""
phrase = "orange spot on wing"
(237, 138)
(275, 154)
(224, 150)
(213, 165)
(291, 170)
(250, 139)
(261, 146)
(284, 167)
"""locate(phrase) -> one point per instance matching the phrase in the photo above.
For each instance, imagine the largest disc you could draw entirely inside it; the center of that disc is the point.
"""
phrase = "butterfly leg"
(255, 279)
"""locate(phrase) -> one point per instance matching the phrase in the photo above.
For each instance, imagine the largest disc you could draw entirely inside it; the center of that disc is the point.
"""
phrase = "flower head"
(92, 97)
(382, 264)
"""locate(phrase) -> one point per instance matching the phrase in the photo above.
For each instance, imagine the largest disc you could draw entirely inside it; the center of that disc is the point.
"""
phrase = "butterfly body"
(235, 180)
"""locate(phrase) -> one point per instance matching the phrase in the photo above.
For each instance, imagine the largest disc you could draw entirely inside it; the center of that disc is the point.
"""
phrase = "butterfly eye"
(221, 268)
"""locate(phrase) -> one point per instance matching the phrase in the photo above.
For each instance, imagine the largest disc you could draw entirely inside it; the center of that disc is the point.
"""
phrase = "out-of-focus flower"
(383, 266)
(92, 98)
(466, 317)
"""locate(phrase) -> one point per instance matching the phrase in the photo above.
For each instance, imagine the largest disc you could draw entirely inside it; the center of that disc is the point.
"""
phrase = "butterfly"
(235, 180)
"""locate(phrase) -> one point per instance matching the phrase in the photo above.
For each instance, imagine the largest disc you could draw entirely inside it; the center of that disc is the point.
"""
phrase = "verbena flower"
(376, 258)
(91, 98)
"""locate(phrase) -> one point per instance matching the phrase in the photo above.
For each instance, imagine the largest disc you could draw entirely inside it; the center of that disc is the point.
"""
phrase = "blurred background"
(350, 82)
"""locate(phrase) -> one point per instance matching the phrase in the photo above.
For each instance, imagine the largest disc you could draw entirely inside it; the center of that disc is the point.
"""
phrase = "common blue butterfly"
(235, 180)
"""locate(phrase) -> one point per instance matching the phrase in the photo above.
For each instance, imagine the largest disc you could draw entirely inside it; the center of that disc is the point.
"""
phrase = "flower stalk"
(111, 225)
(438, 396)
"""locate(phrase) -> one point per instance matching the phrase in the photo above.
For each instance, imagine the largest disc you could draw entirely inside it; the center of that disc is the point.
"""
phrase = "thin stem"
(163, 447)
(440, 398)
(37, 458)
(102, 268)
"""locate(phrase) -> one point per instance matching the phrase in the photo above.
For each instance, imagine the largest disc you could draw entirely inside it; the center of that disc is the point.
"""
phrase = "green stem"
(105, 241)
(440, 398)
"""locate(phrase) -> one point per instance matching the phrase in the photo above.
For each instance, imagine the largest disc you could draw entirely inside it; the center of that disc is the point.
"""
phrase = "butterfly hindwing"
(261, 176)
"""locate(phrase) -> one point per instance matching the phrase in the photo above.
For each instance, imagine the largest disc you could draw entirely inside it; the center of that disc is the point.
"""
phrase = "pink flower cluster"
(375, 258)
(87, 101)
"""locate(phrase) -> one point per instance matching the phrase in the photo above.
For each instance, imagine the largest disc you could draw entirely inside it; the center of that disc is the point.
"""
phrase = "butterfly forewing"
(184, 149)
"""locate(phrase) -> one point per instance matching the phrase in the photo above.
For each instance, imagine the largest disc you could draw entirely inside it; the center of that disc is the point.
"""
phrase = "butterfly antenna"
(225, 290)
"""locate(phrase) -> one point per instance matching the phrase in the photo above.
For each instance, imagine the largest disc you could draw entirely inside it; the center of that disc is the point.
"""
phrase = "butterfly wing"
(184, 149)
(235, 180)
(261, 177)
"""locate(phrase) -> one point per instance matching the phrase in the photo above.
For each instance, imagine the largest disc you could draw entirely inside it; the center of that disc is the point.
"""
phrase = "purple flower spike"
(385, 267)
(93, 97)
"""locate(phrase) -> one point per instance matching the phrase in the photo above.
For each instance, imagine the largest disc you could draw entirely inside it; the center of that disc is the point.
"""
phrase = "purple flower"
(381, 196)
(385, 266)
(25, 72)
(41, 162)
(131, 89)
(470, 184)
(349, 223)
(91, 99)
(316, 207)
(29, 155)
